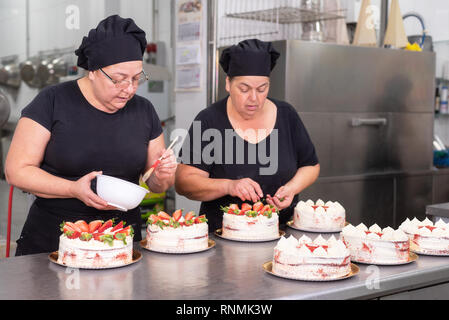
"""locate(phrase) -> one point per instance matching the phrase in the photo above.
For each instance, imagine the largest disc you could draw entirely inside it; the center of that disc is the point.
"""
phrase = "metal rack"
(274, 20)
(288, 15)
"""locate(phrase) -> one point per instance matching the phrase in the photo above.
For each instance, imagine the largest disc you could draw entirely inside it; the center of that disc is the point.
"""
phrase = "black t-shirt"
(225, 155)
(84, 139)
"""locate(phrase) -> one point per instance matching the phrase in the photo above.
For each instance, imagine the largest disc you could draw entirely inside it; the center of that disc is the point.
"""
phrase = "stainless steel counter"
(230, 270)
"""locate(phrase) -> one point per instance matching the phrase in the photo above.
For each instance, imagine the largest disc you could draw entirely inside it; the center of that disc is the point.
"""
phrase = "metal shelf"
(287, 15)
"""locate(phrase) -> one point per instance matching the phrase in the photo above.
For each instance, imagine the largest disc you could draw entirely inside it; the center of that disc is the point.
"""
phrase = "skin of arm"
(195, 184)
(24, 158)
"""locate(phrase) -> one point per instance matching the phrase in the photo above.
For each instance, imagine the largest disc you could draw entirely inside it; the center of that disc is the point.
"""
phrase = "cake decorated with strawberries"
(255, 222)
(307, 259)
(177, 233)
(374, 245)
(319, 216)
(427, 237)
(95, 245)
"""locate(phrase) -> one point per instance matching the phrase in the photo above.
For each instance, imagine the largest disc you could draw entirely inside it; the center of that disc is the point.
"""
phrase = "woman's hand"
(282, 198)
(245, 189)
(164, 173)
(81, 190)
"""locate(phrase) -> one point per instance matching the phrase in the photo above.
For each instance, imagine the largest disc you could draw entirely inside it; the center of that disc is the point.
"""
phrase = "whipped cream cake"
(375, 245)
(250, 222)
(427, 237)
(95, 245)
(329, 216)
(305, 259)
(177, 233)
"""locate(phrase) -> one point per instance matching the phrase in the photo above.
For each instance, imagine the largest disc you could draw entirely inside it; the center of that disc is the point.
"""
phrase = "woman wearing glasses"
(73, 131)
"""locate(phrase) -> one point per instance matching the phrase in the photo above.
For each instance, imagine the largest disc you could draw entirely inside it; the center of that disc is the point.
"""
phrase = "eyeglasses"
(123, 84)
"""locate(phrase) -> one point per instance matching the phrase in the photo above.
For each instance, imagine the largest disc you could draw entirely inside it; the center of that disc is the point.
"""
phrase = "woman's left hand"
(282, 198)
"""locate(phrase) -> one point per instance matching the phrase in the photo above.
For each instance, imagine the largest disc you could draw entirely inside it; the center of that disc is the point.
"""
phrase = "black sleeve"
(193, 145)
(155, 123)
(41, 108)
(305, 150)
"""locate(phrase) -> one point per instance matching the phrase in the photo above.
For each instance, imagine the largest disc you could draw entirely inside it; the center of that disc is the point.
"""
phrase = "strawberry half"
(118, 226)
(94, 225)
(72, 234)
(264, 209)
(200, 219)
(245, 207)
(97, 236)
(73, 226)
(163, 215)
(189, 216)
(105, 226)
(257, 206)
(127, 231)
(154, 218)
(82, 225)
(177, 215)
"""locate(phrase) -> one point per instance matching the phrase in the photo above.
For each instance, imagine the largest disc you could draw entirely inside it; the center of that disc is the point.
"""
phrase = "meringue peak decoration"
(319, 216)
(375, 245)
(427, 237)
(291, 244)
(311, 259)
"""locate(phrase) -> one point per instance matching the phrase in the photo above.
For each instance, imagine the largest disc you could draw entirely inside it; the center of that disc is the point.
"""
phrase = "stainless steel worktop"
(230, 270)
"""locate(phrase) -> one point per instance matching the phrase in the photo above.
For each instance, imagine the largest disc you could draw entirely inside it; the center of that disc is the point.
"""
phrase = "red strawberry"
(82, 225)
(72, 234)
(128, 230)
(73, 226)
(97, 236)
(233, 209)
(189, 216)
(94, 225)
(245, 207)
(200, 219)
(177, 214)
(118, 226)
(257, 206)
(154, 218)
(105, 226)
(264, 209)
(164, 215)
(66, 228)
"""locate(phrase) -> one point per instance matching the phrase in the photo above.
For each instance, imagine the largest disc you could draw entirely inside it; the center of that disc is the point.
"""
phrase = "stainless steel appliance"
(369, 112)
(9, 75)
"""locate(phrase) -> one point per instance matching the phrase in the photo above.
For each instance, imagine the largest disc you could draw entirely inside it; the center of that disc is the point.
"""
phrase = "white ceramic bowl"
(122, 194)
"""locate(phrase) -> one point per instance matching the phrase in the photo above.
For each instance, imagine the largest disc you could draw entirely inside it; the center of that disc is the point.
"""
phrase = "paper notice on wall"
(188, 77)
(189, 17)
(189, 20)
(188, 54)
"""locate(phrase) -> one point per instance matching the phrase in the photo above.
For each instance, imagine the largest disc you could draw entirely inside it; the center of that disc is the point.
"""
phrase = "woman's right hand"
(82, 191)
(246, 189)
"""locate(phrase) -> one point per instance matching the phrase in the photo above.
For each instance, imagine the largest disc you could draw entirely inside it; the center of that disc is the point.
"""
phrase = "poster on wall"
(188, 77)
(188, 45)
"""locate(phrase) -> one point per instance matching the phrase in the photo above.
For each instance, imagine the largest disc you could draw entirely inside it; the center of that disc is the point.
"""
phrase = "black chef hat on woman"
(249, 58)
(114, 40)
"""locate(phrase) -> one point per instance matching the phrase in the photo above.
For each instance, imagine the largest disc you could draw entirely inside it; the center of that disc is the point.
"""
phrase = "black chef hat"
(114, 40)
(249, 58)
